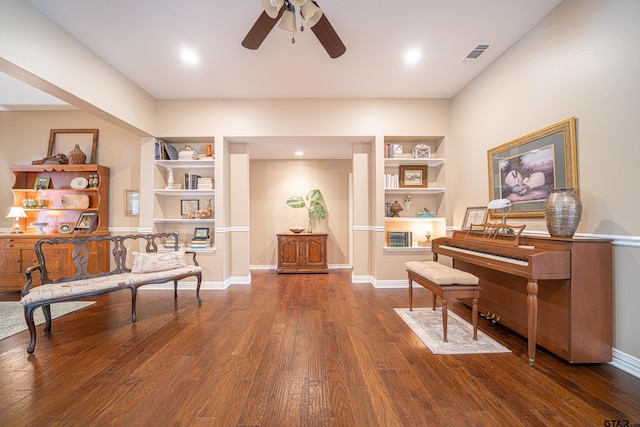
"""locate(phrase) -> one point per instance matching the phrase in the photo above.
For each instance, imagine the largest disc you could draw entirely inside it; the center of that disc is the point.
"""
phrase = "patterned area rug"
(12, 315)
(427, 325)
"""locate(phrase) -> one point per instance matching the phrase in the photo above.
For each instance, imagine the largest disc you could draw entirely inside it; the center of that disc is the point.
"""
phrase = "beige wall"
(274, 181)
(581, 61)
(24, 136)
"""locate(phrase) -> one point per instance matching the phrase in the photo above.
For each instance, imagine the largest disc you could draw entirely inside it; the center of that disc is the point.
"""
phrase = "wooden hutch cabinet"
(64, 183)
(302, 253)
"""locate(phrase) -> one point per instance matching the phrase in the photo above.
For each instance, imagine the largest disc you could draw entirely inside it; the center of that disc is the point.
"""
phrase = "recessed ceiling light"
(298, 153)
(189, 56)
(412, 56)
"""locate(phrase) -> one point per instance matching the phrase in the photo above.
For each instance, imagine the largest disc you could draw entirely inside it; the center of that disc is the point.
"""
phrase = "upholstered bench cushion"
(53, 291)
(441, 274)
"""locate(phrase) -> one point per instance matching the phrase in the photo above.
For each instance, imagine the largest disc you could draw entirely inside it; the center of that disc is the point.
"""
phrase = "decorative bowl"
(297, 229)
(40, 226)
(75, 201)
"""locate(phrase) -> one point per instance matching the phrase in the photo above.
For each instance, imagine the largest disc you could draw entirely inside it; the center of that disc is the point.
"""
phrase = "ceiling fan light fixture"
(310, 13)
(272, 7)
(288, 21)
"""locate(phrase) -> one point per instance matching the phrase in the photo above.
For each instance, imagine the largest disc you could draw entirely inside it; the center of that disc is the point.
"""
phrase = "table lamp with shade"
(16, 212)
(503, 204)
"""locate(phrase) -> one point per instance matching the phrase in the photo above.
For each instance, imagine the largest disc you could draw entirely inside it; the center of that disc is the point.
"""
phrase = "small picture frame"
(201, 233)
(475, 215)
(189, 206)
(413, 176)
(131, 202)
(86, 222)
(42, 183)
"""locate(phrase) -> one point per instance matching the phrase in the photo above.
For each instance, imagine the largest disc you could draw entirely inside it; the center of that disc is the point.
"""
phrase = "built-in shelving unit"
(423, 193)
(178, 193)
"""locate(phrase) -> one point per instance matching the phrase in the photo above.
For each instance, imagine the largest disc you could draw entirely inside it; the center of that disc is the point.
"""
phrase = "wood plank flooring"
(289, 350)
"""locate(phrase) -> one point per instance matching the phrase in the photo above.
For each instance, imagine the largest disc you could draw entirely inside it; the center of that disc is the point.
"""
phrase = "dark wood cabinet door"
(302, 253)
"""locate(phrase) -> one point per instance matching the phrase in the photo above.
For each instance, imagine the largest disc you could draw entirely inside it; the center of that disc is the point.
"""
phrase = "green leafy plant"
(315, 208)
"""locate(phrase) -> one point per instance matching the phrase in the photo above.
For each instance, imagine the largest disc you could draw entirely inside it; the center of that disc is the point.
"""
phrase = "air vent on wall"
(475, 53)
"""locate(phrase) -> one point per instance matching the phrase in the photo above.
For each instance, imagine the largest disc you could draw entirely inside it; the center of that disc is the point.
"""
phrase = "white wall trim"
(273, 267)
(239, 280)
(243, 229)
(184, 286)
(626, 362)
(362, 279)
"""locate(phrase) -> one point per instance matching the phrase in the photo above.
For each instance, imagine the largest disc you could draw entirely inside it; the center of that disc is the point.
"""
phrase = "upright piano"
(556, 292)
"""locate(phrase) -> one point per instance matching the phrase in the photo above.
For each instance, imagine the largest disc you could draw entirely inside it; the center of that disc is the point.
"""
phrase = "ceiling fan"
(313, 18)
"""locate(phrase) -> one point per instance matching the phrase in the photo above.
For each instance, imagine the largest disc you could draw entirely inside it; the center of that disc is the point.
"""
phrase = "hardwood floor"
(289, 350)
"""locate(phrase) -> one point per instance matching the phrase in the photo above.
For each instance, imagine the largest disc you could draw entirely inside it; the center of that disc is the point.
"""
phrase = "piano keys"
(556, 292)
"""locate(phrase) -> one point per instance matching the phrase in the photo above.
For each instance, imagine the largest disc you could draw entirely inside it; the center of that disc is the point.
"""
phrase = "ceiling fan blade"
(328, 37)
(260, 30)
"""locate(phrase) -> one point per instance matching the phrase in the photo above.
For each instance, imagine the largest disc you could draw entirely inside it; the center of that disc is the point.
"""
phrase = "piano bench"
(445, 282)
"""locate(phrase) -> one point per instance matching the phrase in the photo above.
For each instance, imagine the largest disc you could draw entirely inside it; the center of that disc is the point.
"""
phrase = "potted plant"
(315, 208)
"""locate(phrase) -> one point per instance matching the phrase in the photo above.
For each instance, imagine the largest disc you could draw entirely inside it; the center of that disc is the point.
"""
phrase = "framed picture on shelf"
(475, 215)
(201, 233)
(87, 222)
(42, 183)
(413, 176)
(526, 169)
(189, 206)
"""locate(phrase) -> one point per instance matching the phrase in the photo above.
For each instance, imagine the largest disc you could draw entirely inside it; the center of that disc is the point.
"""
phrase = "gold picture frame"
(526, 169)
(131, 202)
(474, 215)
(413, 176)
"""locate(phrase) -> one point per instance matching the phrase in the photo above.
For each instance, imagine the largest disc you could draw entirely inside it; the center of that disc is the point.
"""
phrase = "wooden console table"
(302, 253)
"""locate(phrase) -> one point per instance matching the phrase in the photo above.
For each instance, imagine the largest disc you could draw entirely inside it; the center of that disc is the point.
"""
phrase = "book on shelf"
(194, 181)
(392, 150)
(165, 151)
(400, 239)
(188, 155)
(391, 180)
(170, 243)
(200, 244)
(204, 183)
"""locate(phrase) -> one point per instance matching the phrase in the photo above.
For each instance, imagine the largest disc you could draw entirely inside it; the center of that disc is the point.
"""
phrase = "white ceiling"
(143, 40)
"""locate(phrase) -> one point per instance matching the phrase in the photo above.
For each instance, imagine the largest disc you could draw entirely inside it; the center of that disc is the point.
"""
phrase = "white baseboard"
(182, 286)
(626, 362)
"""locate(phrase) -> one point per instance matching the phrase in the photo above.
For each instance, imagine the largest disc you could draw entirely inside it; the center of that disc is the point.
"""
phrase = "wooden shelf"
(428, 191)
(185, 192)
(433, 162)
(185, 164)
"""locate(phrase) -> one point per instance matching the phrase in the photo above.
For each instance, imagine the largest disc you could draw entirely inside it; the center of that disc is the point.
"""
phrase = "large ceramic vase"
(77, 156)
(562, 211)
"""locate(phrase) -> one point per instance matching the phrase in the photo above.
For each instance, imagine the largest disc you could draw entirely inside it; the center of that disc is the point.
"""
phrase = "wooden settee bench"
(445, 282)
(130, 269)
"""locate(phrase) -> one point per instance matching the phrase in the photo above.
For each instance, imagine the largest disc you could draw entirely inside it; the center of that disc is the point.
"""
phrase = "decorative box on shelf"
(421, 151)
(425, 214)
